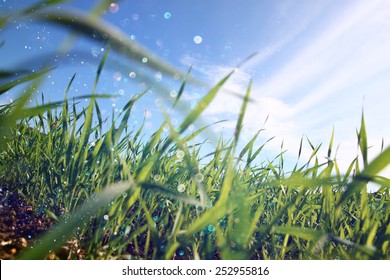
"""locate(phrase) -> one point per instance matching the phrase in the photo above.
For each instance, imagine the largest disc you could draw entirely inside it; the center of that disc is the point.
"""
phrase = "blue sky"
(318, 64)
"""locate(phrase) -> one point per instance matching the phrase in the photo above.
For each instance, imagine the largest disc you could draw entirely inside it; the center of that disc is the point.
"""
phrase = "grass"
(120, 195)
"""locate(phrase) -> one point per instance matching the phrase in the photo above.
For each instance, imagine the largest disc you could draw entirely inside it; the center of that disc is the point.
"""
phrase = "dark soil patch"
(20, 225)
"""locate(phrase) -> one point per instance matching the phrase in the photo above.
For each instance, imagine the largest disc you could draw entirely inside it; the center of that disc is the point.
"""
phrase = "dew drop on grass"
(199, 177)
(105, 217)
(155, 218)
(181, 188)
(180, 154)
(144, 59)
(181, 253)
(124, 195)
(167, 15)
(173, 93)
(157, 177)
(211, 228)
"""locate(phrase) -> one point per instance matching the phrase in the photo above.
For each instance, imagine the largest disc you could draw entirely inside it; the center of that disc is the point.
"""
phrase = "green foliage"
(229, 208)
(122, 196)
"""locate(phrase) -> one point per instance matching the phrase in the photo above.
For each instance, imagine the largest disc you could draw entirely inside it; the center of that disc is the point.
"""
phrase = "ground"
(20, 225)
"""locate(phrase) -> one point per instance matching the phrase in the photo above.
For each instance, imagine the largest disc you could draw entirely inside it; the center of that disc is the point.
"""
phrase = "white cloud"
(321, 85)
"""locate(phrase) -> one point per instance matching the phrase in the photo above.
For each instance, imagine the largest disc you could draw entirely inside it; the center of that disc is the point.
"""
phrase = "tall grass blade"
(241, 115)
(202, 105)
(368, 173)
(362, 140)
(182, 87)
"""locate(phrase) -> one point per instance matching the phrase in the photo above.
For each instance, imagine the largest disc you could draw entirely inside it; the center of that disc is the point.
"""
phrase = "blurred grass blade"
(34, 111)
(304, 233)
(107, 34)
(175, 195)
(53, 240)
(33, 76)
(12, 74)
(29, 10)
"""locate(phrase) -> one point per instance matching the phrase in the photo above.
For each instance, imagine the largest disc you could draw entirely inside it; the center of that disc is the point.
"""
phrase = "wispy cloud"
(321, 83)
(344, 55)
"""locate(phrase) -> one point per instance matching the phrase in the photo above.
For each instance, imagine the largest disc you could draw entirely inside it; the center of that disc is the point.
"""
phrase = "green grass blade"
(362, 140)
(330, 145)
(368, 173)
(202, 105)
(219, 210)
(30, 77)
(304, 233)
(100, 68)
(182, 87)
(241, 115)
(160, 189)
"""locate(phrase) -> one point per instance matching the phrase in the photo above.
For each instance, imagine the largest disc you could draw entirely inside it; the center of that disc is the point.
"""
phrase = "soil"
(20, 225)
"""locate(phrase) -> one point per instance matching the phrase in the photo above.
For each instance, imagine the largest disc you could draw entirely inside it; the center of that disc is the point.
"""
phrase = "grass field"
(72, 189)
